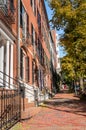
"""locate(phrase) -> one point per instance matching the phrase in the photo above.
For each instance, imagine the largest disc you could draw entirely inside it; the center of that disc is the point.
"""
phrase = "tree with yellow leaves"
(70, 16)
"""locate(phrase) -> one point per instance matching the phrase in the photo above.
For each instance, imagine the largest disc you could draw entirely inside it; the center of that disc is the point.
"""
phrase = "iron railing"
(9, 83)
(10, 108)
(8, 10)
(10, 102)
(3, 5)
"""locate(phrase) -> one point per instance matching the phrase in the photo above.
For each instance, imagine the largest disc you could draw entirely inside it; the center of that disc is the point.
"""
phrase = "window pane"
(31, 2)
(27, 69)
(21, 63)
(33, 34)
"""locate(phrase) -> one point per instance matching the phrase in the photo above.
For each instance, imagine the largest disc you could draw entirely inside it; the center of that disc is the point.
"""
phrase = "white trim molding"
(6, 32)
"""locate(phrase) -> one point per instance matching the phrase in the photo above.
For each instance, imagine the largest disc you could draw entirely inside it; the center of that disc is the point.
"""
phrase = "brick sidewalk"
(63, 112)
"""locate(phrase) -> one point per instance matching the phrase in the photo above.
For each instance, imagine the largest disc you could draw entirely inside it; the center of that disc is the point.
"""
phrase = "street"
(62, 112)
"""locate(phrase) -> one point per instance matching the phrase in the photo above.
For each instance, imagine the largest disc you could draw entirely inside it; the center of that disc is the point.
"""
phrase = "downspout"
(18, 45)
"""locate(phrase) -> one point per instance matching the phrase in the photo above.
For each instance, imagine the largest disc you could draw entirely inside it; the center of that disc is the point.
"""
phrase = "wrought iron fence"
(8, 9)
(10, 108)
(10, 101)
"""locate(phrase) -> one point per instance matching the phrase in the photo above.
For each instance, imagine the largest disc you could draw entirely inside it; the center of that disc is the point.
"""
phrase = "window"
(27, 23)
(21, 64)
(24, 21)
(33, 34)
(12, 5)
(27, 69)
(36, 42)
(43, 56)
(21, 14)
(31, 2)
(33, 5)
(39, 19)
(40, 52)
(38, 47)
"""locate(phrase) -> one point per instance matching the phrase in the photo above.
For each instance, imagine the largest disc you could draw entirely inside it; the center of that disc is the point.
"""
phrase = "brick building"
(25, 47)
(53, 60)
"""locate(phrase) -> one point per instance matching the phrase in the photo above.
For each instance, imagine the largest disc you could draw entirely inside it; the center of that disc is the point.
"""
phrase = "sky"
(50, 13)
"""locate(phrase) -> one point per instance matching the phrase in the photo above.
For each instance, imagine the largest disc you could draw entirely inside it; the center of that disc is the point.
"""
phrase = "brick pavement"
(63, 112)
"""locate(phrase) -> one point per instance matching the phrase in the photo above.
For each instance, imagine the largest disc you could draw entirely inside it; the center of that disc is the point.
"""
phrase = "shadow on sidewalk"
(68, 105)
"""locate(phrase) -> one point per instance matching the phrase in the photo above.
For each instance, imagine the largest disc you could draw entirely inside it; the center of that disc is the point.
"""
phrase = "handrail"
(27, 88)
(29, 92)
(10, 108)
(5, 82)
(10, 77)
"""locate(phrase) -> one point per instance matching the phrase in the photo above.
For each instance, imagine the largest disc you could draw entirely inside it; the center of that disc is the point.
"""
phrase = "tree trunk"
(81, 83)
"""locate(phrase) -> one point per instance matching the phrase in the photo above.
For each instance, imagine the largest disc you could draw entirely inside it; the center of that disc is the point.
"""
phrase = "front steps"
(28, 110)
(28, 106)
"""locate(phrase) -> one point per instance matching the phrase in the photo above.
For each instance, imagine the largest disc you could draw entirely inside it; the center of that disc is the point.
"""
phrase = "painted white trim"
(7, 62)
(6, 36)
(7, 32)
(1, 64)
(11, 65)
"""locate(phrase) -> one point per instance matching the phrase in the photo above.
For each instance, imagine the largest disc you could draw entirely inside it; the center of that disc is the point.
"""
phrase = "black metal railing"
(9, 83)
(10, 101)
(8, 9)
(3, 5)
(10, 108)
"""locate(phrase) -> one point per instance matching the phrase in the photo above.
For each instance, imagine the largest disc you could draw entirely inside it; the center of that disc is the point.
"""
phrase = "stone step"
(27, 106)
